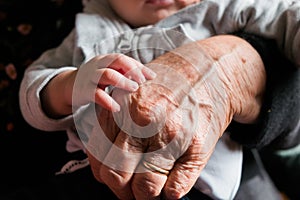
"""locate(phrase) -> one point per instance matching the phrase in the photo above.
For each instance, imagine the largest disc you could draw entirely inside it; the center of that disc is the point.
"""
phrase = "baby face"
(145, 12)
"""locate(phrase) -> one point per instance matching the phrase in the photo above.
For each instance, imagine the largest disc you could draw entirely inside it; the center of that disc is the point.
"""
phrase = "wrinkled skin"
(175, 120)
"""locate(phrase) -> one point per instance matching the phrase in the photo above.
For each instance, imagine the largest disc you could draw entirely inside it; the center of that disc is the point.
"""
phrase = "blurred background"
(27, 28)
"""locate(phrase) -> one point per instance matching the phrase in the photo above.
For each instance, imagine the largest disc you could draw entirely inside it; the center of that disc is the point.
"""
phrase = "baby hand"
(115, 70)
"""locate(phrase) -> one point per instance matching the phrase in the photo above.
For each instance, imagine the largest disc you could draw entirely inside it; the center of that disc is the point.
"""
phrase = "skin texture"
(199, 89)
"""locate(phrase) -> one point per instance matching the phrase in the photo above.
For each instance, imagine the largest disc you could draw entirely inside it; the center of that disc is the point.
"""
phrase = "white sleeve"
(36, 76)
(272, 19)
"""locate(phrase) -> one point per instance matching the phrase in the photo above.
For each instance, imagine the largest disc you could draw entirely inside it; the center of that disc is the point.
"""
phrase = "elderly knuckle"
(146, 187)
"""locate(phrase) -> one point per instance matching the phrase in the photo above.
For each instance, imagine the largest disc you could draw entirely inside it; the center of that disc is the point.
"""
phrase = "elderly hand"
(166, 131)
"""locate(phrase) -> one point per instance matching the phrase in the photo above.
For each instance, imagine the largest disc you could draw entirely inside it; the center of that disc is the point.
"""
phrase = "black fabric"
(284, 170)
(195, 194)
(281, 107)
(80, 185)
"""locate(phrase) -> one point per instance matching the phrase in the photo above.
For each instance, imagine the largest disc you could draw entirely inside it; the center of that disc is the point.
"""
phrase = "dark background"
(27, 28)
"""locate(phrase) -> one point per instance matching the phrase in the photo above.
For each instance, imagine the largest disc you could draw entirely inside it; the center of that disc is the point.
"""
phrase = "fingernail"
(134, 86)
(142, 80)
(151, 73)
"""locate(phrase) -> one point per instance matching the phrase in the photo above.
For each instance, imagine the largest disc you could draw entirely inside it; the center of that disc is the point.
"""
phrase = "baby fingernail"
(152, 74)
(142, 79)
(134, 86)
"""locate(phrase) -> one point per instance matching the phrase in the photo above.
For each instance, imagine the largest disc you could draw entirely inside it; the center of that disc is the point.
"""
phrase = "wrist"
(242, 72)
(56, 97)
